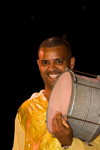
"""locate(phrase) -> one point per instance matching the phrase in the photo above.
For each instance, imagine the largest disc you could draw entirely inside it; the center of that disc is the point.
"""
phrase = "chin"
(52, 86)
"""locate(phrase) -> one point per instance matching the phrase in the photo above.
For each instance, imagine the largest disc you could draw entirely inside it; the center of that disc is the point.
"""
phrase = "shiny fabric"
(31, 132)
(32, 117)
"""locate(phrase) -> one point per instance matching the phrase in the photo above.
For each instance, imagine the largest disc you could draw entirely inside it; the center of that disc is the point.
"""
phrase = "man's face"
(52, 62)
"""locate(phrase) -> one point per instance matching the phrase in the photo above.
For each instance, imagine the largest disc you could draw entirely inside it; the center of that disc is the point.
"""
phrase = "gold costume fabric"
(31, 132)
(32, 117)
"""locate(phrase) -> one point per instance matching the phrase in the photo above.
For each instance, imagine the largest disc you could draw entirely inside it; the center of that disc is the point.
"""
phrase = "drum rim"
(67, 69)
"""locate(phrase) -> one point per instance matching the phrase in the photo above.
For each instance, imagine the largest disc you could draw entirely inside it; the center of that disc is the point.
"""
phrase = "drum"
(78, 98)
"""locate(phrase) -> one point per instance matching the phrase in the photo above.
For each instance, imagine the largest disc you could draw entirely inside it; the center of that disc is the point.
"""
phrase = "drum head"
(60, 97)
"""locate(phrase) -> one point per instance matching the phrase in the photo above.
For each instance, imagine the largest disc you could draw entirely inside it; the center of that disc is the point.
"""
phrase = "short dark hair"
(56, 41)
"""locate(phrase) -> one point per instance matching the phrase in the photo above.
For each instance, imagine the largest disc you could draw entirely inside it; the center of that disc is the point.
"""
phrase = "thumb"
(65, 123)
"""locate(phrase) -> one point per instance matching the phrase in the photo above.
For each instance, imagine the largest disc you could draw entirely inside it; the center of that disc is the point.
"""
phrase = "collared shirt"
(31, 131)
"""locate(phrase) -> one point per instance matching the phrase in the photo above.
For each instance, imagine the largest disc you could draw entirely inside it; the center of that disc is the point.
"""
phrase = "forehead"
(52, 52)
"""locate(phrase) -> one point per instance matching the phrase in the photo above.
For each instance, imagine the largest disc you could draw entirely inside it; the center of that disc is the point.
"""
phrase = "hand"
(62, 131)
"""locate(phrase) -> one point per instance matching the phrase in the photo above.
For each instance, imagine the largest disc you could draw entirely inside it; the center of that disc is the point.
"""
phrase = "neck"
(47, 93)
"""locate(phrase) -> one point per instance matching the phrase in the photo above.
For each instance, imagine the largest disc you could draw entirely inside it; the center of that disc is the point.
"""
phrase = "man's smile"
(53, 76)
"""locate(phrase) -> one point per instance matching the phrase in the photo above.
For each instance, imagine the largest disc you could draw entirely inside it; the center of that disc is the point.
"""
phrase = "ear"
(72, 63)
(38, 63)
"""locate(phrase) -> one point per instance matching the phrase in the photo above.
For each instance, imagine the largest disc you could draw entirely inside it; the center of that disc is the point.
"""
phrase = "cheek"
(66, 65)
(62, 67)
(42, 70)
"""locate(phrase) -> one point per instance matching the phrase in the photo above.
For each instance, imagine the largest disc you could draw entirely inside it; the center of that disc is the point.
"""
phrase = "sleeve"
(19, 136)
(79, 145)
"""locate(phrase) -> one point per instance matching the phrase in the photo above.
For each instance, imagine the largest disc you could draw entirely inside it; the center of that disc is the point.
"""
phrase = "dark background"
(26, 25)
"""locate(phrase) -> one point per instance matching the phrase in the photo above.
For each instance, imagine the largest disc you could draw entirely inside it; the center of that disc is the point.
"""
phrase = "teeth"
(54, 76)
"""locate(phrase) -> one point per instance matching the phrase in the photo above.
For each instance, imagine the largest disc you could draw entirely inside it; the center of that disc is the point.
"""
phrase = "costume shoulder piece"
(36, 103)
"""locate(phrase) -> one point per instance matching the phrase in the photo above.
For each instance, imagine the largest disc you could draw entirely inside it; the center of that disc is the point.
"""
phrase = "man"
(31, 133)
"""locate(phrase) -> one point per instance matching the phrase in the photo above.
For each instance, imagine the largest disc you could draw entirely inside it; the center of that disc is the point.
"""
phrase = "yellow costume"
(31, 132)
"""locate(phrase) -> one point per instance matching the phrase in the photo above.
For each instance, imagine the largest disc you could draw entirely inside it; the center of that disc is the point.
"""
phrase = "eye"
(44, 62)
(59, 61)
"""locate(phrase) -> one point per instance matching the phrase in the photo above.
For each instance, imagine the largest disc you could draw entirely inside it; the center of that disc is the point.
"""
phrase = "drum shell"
(85, 105)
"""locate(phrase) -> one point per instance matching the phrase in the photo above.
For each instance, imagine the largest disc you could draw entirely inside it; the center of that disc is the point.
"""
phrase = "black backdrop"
(27, 24)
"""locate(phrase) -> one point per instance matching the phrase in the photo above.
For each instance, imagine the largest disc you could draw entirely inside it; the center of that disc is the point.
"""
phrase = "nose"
(51, 67)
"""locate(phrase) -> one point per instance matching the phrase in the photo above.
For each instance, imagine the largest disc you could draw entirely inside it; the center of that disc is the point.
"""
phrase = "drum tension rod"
(82, 120)
(92, 75)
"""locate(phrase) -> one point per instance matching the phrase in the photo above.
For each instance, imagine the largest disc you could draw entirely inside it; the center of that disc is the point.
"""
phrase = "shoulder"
(31, 106)
(28, 105)
(36, 94)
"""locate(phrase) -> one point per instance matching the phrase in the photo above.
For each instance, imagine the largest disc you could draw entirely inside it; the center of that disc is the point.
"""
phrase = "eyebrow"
(54, 59)
(59, 58)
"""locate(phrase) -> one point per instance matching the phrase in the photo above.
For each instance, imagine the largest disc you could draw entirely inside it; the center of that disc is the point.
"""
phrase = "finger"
(57, 112)
(59, 119)
(65, 123)
(65, 119)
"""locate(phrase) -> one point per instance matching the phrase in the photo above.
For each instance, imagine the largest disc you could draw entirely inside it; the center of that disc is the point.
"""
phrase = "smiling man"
(52, 62)
(31, 133)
